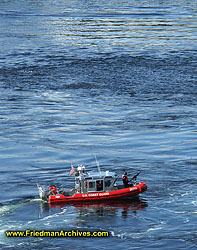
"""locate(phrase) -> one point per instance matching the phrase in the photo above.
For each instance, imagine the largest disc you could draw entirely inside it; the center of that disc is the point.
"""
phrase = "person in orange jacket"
(125, 179)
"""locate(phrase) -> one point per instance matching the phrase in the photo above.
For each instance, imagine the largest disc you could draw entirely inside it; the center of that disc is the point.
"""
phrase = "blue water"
(111, 78)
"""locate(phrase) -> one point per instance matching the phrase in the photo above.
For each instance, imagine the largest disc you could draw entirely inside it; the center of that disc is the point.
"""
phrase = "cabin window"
(91, 184)
(99, 185)
(108, 183)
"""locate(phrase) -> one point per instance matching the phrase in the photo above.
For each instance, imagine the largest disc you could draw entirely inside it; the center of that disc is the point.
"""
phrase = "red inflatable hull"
(96, 196)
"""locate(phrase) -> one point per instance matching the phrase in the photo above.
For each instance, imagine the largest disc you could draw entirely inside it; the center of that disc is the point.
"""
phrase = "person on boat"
(125, 179)
(99, 186)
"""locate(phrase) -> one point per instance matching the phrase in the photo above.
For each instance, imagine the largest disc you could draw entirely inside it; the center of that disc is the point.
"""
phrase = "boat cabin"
(94, 182)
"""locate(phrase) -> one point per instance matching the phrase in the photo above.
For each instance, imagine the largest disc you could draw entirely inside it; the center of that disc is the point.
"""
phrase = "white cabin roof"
(101, 174)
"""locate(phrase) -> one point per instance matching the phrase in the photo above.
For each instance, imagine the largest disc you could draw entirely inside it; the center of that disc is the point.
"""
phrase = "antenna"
(97, 163)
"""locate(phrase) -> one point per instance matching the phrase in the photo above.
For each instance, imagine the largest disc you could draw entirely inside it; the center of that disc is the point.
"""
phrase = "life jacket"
(124, 178)
(53, 190)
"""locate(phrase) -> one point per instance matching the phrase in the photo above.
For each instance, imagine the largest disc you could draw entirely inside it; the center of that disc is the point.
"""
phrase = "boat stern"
(43, 193)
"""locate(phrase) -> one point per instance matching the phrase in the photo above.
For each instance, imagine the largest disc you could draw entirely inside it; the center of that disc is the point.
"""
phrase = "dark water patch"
(148, 78)
(14, 14)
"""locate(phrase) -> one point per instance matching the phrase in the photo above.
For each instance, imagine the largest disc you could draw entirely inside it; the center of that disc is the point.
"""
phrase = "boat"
(95, 186)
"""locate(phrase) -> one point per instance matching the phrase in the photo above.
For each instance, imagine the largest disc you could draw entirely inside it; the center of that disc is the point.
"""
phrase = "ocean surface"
(116, 79)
